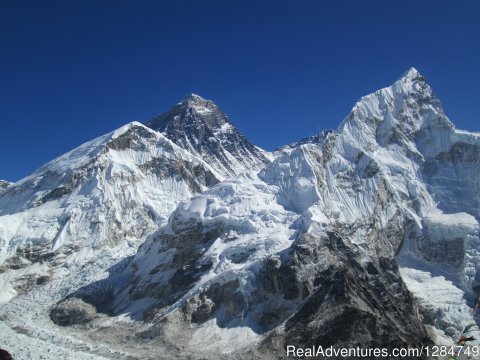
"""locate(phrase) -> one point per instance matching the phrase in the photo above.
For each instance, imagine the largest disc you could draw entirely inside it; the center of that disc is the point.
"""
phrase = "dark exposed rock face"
(460, 152)
(5, 355)
(201, 128)
(356, 308)
(348, 304)
(196, 176)
(72, 311)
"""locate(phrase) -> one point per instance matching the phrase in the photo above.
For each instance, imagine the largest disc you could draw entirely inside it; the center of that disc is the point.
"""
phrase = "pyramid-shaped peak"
(200, 127)
(403, 108)
(411, 74)
(196, 100)
(193, 96)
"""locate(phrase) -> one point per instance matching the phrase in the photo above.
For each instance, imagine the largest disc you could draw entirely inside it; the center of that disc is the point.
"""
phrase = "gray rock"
(72, 311)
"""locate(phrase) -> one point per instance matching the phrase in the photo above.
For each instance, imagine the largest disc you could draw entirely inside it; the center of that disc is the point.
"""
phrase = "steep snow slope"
(431, 170)
(109, 193)
(200, 127)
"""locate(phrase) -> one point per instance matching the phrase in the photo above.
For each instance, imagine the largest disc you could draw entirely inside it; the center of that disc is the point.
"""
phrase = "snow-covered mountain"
(115, 190)
(70, 221)
(3, 185)
(365, 236)
(103, 197)
(265, 259)
(201, 128)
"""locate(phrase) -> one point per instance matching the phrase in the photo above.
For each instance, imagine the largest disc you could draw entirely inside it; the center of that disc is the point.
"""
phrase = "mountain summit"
(411, 73)
(200, 127)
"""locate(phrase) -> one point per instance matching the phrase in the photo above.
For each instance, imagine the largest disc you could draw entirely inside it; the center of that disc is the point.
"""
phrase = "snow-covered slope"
(105, 196)
(200, 127)
(398, 163)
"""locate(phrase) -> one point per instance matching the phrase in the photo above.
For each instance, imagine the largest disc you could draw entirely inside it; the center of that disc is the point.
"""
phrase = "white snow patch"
(210, 337)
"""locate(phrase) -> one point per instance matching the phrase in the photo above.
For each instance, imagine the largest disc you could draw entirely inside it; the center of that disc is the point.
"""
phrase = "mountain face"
(114, 191)
(100, 199)
(366, 236)
(201, 128)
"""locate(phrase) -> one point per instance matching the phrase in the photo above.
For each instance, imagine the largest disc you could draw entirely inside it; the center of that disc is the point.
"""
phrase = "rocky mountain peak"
(196, 104)
(192, 112)
(194, 99)
(395, 112)
(200, 127)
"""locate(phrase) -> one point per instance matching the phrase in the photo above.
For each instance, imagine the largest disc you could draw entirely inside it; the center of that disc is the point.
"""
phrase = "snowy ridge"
(113, 190)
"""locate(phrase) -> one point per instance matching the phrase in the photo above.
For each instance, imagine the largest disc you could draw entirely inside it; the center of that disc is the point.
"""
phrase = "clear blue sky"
(282, 70)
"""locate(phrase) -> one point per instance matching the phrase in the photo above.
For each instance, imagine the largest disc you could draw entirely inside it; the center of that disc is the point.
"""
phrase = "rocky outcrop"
(347, 304)
(5, 355)
(72, 311)
(3, 186)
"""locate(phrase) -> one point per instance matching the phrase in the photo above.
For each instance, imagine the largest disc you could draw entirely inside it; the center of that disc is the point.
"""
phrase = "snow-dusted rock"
(3, 186)
(201, 128)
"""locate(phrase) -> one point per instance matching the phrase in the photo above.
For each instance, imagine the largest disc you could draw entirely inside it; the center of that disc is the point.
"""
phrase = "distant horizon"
(72, 71)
